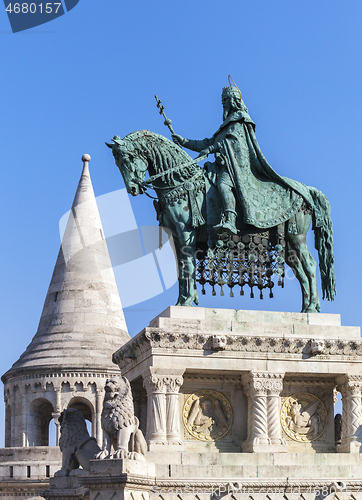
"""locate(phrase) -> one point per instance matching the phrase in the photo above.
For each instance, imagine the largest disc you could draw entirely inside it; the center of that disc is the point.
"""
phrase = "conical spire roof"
(82, 322)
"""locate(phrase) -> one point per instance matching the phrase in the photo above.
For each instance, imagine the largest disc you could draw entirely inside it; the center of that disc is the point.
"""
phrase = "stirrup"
(226, 227)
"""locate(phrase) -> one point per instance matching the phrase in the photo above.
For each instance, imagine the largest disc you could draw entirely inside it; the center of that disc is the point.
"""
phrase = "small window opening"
(28, 471)
(101, 234)
(11, 471)
(55, 296)
(47, 471)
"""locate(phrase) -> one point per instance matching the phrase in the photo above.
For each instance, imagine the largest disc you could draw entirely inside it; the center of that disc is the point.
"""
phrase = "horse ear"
(109, 145)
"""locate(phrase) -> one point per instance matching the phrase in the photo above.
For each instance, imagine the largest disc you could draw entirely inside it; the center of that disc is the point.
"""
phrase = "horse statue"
(189, 206)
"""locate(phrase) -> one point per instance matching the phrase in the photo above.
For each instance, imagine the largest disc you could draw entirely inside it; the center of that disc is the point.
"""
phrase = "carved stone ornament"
(317, 346)
(303, 417)
(207, 415)
(154, 338)
(218, 342)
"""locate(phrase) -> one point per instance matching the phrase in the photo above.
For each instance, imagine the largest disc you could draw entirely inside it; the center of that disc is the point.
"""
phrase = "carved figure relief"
(207, 415)
(303, 417)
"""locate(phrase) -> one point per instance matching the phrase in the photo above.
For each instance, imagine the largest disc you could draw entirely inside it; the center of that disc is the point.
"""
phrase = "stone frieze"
(154, 338)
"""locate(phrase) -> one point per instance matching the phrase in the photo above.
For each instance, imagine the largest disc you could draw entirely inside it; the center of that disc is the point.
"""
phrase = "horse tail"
(323, 234)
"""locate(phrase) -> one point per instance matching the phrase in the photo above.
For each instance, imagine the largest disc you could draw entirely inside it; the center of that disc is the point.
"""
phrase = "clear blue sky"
(71, 84)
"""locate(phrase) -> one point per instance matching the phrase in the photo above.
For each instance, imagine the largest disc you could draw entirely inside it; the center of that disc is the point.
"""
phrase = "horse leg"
(185, 246)
(188, 238)
(299, 242)
(182, 282)
(297, 268)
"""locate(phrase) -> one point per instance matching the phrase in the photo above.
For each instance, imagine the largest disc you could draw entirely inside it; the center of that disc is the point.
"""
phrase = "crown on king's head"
(232, 90)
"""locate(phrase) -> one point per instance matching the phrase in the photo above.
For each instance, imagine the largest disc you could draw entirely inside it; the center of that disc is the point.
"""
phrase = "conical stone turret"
(81, 325)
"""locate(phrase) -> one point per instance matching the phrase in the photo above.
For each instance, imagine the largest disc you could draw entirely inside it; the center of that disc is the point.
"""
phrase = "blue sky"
(71, 84)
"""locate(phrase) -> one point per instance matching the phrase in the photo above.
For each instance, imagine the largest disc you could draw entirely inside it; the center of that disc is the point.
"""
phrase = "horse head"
(131, 165)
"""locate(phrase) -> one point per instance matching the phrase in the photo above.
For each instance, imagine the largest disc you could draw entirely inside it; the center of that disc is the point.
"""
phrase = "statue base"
(119, 479)
(250, 395)
(253, 381)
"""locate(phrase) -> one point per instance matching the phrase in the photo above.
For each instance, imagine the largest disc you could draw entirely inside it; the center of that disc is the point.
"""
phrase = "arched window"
(40, 415)
(86, 407)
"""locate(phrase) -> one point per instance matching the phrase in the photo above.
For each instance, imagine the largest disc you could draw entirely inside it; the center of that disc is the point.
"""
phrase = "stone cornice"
(66, 373)
(155, 338)
(211, 379)
(125, 479)
(344, 484)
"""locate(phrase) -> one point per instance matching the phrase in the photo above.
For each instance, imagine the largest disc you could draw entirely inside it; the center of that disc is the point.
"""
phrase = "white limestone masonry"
(70, 357)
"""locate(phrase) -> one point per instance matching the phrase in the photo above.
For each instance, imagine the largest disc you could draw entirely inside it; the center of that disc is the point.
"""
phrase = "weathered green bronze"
(236, 216)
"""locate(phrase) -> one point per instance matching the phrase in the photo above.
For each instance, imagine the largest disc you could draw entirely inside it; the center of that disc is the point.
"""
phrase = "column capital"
(262, 383)
(162, 380)
(350, 385)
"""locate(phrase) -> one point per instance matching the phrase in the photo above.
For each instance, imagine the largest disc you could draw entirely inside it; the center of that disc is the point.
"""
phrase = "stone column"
(274, 388)
(24, 411)
(350, 389)
(156, 409)
(264, 428)
(57, 412)
(13, 413)
(8, 417)
(173, 433)
(99, 406)
(163, 413)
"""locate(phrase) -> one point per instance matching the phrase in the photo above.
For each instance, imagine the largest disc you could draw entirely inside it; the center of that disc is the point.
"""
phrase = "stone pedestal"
(256, 381)
(250, 395)
(116, 479)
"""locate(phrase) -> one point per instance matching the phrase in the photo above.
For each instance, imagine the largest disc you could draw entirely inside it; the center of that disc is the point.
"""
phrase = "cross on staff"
(167, 122)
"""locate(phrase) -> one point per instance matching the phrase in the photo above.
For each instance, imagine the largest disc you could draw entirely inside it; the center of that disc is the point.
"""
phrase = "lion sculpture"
(119, 423)
(77, 447)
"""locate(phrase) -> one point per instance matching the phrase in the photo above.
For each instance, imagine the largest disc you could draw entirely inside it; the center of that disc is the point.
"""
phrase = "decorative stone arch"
(40, 414)
(79, 386)
(92, 387)
(65, 387)
(86, 407)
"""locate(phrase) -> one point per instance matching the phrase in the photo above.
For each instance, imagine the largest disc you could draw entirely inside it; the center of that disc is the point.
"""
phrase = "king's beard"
(227, 112)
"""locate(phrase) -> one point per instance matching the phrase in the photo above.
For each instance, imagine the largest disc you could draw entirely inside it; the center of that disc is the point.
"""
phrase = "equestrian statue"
(234, 221)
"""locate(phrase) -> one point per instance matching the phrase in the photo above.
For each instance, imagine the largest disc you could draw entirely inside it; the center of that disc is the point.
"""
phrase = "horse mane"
(163, 155)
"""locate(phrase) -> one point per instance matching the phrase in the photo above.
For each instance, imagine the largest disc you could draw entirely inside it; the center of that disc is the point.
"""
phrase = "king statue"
(243, 174)
(249, 220)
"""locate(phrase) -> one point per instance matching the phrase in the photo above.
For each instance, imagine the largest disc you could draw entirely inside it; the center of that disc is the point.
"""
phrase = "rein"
(179, 167)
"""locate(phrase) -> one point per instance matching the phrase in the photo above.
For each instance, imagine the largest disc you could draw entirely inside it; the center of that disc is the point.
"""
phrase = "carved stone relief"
(317, 346)
(303, 417)
(207, 415)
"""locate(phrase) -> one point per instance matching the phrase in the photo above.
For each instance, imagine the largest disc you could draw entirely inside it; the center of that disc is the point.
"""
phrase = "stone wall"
(26, 471)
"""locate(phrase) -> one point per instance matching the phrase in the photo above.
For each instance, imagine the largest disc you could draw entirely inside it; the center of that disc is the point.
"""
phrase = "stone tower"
(82, 324)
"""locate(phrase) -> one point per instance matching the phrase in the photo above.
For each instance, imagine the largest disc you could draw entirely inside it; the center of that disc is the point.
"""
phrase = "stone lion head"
(317, 346)
(114, 390)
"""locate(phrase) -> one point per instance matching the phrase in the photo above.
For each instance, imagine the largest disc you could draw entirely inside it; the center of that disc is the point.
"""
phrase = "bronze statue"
(237, 216)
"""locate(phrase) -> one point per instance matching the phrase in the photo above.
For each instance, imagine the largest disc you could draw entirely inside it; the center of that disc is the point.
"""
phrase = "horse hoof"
(312, 310)
(181, 300)
(191, 299)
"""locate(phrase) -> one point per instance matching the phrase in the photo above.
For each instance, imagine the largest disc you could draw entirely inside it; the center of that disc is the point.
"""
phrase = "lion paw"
(121, 453)
(133, 455)
(102, 455)
(62, 473)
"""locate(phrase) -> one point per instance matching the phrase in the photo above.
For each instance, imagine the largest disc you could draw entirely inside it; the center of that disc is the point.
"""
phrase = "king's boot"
(227, 224)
